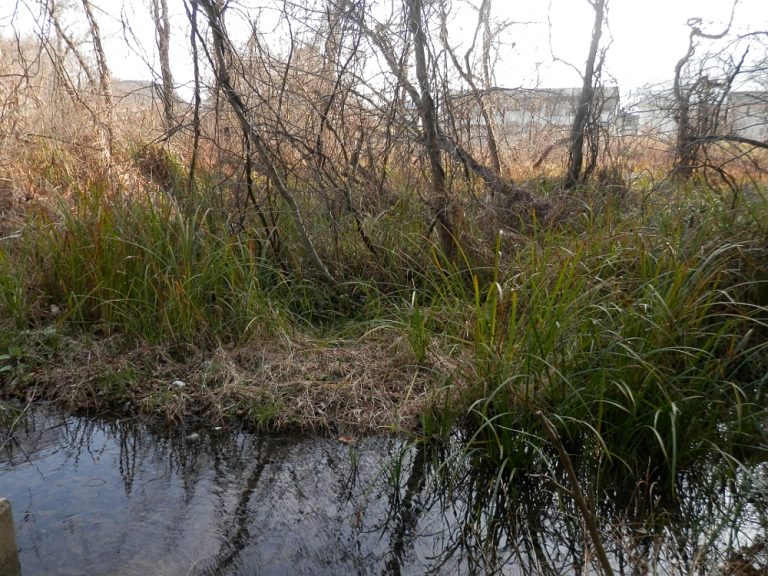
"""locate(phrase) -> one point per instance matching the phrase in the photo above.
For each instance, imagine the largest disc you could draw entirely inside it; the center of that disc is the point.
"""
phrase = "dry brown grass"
(358, 386)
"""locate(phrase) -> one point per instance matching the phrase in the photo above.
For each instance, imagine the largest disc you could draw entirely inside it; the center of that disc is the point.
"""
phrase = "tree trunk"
(586, 102)
(442, 207)
(105, 83)
(101, 60)
(163, 40)
(493, 146)
(688, 145)
(685, 155)
(191, 11)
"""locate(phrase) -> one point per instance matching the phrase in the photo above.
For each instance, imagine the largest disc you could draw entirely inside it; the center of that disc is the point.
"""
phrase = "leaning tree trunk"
(465, 71)
(53, 13)
(586, 102)
(443, 209)
(105, 82)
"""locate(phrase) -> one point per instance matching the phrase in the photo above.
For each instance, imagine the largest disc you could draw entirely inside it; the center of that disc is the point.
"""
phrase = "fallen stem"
(577, 494)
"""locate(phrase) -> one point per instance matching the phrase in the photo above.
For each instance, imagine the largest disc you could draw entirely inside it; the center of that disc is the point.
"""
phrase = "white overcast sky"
(647, 36)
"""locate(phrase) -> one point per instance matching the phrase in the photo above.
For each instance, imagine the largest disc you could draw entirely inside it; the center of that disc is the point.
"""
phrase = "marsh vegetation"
(312, 243)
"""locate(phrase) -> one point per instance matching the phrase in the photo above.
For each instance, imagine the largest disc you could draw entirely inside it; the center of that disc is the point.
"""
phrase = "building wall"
(748, 114)
(516, 112)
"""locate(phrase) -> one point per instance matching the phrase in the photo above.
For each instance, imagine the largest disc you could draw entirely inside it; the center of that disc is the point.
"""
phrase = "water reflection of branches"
(237, 534)
(438, 513)
(527, 523)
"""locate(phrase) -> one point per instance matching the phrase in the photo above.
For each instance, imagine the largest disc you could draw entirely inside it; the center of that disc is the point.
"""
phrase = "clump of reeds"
(642, 338)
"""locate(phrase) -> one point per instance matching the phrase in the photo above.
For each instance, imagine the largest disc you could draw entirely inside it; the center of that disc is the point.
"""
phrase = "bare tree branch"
(221, 51)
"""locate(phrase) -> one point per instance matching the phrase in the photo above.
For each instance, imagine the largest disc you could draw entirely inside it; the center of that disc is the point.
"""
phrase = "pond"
(107, 496)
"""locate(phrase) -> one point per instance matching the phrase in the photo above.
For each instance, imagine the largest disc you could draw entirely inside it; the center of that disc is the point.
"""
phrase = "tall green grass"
(641, 336)
(141, 267)
(642, 339)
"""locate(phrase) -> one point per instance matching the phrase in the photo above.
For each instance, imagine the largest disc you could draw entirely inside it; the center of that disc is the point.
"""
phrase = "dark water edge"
(104, 496)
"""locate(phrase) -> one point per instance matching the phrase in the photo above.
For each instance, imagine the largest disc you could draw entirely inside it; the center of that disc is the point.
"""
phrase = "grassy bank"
(635, 326)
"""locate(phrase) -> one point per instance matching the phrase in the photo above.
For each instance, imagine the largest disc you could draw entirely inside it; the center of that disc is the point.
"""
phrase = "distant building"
(627, 123)
(748, 114)
(741, 113)
(522, 111)
(654, 110)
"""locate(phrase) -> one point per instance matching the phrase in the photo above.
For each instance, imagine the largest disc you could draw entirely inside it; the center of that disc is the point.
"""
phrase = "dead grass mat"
(359, 386)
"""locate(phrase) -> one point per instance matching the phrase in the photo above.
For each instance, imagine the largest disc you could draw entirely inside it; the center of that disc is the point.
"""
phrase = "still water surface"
(102, 496)
(95, 496)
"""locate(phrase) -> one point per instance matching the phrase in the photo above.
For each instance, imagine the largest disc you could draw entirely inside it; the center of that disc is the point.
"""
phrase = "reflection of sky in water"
(98, 497)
